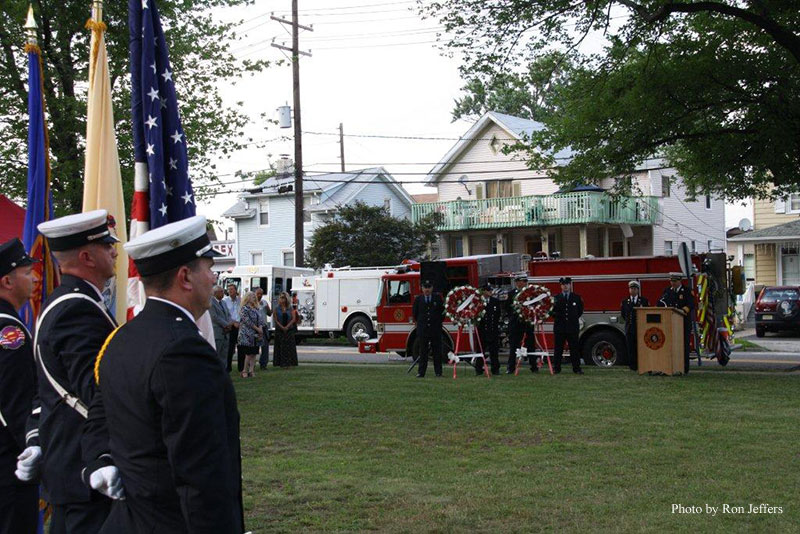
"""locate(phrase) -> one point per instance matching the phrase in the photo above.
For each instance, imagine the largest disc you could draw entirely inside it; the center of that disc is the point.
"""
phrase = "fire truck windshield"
(399, 292)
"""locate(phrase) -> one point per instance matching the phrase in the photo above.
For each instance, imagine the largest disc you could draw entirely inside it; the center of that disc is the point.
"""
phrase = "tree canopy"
(712, 86)
(201, 59)
(359, 235)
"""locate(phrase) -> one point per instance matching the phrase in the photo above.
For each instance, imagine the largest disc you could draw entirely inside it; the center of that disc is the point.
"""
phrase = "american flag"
(162, 188)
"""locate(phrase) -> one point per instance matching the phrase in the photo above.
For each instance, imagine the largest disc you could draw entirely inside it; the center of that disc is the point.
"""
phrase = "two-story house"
(490, 202)
(776, 241)
(264, 215)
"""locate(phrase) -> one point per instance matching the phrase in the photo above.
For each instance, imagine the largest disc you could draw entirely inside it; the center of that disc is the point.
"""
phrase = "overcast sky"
(375, 68)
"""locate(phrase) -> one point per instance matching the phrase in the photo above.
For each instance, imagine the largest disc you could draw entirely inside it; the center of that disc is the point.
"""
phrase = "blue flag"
(158, 137)
(40, 199)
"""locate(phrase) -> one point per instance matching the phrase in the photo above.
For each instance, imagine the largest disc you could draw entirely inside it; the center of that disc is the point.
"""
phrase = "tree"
(201, 59)
(360, 235)
(712, 86)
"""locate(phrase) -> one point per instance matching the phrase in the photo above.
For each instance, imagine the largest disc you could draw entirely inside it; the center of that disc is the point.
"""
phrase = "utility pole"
(299, 252)
(341, 144)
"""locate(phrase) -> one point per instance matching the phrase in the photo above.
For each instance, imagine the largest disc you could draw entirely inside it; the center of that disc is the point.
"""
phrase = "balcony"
(540, 210)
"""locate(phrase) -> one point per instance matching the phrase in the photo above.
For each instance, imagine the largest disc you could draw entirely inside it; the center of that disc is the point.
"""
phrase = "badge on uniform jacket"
(12, 337)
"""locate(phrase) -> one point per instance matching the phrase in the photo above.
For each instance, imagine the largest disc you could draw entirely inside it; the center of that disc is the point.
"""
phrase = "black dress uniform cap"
(13, 255)
(634, 283)
(171, 246)
(73, 231)
(521, 278)
(427, 283)
(675, 276)
(565, 280)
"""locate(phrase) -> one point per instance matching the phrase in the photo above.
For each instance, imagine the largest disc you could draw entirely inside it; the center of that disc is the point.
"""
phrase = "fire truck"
(601, 282)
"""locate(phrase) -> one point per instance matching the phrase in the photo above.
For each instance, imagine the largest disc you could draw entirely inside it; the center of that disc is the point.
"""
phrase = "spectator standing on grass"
(285, 319)
(266, 313)
(251, 328)
(221, 321)
(233, 302)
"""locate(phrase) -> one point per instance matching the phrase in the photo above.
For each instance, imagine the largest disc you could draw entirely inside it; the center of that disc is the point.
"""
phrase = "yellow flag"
(102, 187)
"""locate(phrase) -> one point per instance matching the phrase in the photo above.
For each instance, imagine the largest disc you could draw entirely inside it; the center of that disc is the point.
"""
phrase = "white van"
(271, 279)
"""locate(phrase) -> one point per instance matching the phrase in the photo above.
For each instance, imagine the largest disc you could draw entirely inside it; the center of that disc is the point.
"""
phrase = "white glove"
(29, 464)
(107, 481)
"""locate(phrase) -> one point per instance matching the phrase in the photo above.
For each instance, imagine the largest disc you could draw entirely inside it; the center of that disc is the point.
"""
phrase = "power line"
(360, 6)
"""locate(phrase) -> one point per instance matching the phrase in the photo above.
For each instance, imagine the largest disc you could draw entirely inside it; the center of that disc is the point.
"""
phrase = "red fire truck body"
(601, 282)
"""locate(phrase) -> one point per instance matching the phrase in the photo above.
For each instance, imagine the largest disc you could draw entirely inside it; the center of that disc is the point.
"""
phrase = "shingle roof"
(782, 232)
(239, 211)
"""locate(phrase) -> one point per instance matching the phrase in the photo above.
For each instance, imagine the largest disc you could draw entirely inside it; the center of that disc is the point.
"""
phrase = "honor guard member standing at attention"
(428, 310)
(678, 296)
(489, 330)
(71, 328)
(519, 330)
(628, 312)
(567, 309)
(166, 412)
(19, 501)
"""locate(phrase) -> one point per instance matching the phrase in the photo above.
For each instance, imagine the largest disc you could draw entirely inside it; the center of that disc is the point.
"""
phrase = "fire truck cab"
(396, 331)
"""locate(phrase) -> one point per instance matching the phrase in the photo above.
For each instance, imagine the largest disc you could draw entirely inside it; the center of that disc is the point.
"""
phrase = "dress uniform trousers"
(490, 341)
(558, 350)
(517, 333)
(430, 343)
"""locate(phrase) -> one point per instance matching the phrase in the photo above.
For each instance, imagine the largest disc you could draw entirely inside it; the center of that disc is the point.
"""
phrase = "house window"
(665, 186)
(288, 258)
(456, 247)
(306, 212)
(793, 203)
(387, 205)
(668, 248)
(499, 189)
(694, 247)
(256, 258)
(708, 202)
(263, 212)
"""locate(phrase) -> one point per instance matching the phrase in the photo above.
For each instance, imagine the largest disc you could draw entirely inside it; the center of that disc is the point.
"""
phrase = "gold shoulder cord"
(100, 355)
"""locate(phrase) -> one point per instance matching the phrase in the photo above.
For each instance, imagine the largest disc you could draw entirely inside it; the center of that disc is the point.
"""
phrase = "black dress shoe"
(534, 369)
(557, 370)
(420, 375)
(578, 371)
(509, 371)
(439, 375)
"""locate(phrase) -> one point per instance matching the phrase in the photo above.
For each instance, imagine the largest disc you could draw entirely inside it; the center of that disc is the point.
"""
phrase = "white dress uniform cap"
(170, 246)
(73, 231)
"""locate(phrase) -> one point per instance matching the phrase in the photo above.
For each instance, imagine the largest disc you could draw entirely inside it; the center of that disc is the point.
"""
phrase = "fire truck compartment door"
(327, 304)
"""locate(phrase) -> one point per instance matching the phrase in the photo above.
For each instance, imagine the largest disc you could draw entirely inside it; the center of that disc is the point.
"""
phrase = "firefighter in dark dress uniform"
(519, 330)
(567, 310)
(71, 328)
(165, 414)
(678, 296)
(19, 501)
(628, 312)
(489, 331)
(428, 311)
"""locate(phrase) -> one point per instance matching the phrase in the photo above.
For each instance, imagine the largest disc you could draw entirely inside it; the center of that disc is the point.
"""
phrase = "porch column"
(545, 242)
(499, 240)
(465, 244)
(606, 242)
(740, 253)
(584, 249)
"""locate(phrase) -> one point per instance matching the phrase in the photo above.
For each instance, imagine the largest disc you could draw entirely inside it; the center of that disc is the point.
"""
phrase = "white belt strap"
(16, 320)
(71, 400)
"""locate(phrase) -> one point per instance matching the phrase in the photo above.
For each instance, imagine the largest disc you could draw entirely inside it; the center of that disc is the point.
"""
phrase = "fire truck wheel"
(358, 325)
(604, 349)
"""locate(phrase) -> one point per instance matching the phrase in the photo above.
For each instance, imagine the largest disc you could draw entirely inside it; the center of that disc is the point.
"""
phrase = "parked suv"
(777, 308)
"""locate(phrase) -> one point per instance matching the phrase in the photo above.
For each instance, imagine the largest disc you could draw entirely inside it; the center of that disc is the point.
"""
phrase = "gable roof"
(783, 232)
(517, 129)
(363, 179)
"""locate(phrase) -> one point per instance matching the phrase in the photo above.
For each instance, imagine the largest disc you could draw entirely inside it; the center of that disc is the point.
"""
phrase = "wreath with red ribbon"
(533, 304)
(458, 310)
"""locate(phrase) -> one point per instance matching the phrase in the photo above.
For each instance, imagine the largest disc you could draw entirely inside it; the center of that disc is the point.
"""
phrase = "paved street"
(784, 354)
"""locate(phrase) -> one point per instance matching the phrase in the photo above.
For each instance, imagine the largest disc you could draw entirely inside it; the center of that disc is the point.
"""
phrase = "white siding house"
(490, 202)
(264, 216)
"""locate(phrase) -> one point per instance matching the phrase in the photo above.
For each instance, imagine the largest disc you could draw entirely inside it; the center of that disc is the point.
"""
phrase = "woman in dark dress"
(285, 319)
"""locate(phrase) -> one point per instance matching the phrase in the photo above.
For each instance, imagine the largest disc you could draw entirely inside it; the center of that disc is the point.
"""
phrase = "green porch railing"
(540, 210)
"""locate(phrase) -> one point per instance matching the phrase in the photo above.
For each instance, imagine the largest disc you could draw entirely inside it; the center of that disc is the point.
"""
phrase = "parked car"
(777, 308)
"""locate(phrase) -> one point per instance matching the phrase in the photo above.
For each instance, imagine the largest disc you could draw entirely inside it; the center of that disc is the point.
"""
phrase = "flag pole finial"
(97, 10)
(31, 27)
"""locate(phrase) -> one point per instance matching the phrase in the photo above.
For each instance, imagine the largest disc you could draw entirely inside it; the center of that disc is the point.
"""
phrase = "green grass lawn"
(369, 448)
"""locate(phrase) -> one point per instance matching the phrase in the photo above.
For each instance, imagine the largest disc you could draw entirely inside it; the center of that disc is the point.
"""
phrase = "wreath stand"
(455, 357)
(538, 328)
(522, 351)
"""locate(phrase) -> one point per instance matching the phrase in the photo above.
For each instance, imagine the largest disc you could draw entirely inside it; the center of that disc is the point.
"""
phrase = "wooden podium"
(660, 340)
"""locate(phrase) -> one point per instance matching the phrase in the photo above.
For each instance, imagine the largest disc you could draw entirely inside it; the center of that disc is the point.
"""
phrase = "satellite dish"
(745, 225)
